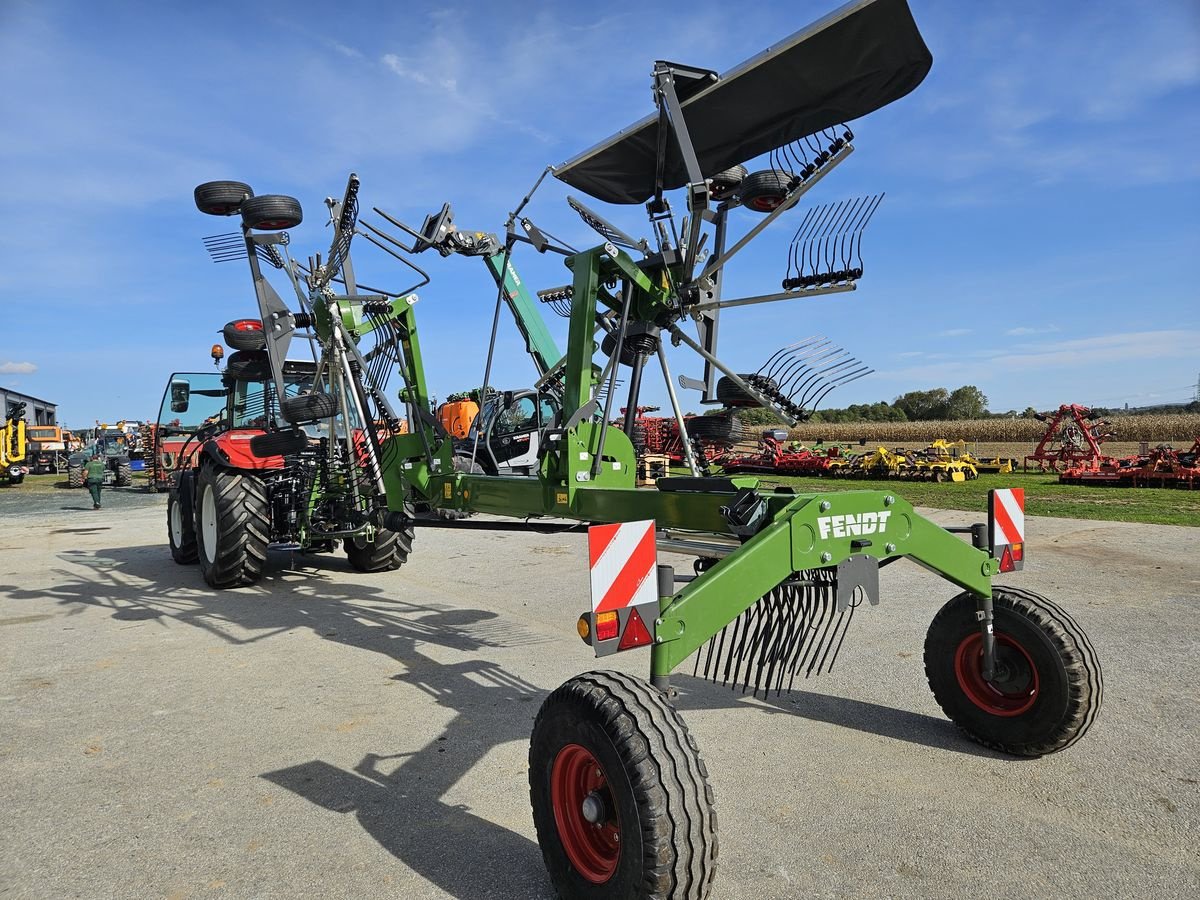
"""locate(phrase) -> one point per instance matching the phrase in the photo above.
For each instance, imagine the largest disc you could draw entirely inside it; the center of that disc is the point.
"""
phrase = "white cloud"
(17, 368)
(954, 332)
(1022, 330)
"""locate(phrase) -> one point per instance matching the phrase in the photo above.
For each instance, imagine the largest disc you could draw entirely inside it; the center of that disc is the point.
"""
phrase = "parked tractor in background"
(13, 446)
(48, 449)
(117, 469)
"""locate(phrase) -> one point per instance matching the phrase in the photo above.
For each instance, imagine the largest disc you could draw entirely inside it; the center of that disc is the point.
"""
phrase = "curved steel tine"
(832, 232)
(812, 221)
(813, 259)
(817, 376)
(802, 364)
(863, 225)
(846, 243)
(804, 342)
(798, 357)
(792, 248)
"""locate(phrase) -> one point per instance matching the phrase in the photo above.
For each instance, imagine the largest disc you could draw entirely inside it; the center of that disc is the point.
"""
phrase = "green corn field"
(1177, 430)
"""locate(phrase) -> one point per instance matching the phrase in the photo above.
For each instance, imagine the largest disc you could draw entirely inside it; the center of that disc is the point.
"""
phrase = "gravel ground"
(332, 734)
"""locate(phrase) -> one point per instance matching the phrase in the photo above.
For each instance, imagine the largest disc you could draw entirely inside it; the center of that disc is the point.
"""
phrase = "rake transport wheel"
(388, 551)
(233, 526)
(271, 212)
(221, 198)
(181, 529)
(1047, 687)
(248, 365)
(621, 799)
(310, 407)
(764, 191)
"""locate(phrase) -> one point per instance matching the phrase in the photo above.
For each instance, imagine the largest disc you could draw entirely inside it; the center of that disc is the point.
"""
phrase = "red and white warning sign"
(623, 559)
(1006, 527)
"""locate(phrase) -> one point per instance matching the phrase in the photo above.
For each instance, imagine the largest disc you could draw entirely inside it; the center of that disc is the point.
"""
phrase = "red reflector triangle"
(636, 633)
(1006, 560)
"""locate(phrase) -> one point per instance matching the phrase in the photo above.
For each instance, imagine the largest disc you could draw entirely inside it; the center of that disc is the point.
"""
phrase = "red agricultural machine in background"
(1163, 466)
(1072, 439)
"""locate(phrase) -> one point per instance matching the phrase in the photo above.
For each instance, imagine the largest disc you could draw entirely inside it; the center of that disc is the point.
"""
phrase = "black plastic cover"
(854, 61)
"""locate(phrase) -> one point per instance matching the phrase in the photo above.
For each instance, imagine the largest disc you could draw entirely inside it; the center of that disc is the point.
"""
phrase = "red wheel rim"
(593, 848)
(1014, 687)
(767, 203)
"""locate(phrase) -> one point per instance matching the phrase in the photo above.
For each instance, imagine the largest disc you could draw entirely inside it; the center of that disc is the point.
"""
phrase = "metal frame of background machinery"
(778, 575)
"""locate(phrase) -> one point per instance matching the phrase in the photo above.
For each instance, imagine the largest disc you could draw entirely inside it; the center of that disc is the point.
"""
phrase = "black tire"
(248, 365)
(124, 474)
(222, 198)
(764, 191)
(729, 394)
(725, 183)
(74, 476)
(721, 428)
(181, 528)
(233, 526)
(1048, 686)
(243, 338)
(309, 407)
(613, 741)
(388, 551)
(279, 443)
(271, 212)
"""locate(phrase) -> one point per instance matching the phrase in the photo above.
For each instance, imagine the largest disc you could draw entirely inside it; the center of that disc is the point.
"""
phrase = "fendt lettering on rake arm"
(620, 796)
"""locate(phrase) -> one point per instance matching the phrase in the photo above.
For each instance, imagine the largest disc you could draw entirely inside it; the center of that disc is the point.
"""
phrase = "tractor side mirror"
(181, 392)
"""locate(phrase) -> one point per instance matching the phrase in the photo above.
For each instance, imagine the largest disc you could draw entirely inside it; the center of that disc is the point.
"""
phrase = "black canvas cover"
(853, 61)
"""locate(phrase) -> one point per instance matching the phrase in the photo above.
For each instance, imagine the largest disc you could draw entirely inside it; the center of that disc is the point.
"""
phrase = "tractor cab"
(509, 432)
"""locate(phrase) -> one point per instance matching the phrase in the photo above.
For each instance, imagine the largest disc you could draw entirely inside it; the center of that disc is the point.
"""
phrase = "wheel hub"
(594, 809)
(1013, 687)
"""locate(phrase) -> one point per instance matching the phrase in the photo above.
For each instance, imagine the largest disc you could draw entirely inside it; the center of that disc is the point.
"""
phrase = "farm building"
(37, 412)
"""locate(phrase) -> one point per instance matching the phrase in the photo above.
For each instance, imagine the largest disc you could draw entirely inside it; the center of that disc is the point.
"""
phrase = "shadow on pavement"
(397, 798)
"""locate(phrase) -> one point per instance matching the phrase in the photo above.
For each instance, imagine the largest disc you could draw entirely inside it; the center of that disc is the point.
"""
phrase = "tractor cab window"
(521, 415)
(193, 400)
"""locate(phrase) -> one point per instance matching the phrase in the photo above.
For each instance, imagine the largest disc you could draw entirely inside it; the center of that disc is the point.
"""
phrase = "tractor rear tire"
(233, 526)
(279, 443)
(222, 198)
(181, 529)
(243, 339)
(388, 551)
(1047, 688)
(124, 475)
(75, 476)
(271, 212)
(248, 365)
(765, 190)
(309, 407)
(620, 795)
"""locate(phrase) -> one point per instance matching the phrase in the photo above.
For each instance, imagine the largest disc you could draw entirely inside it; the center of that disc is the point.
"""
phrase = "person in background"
(93, 474)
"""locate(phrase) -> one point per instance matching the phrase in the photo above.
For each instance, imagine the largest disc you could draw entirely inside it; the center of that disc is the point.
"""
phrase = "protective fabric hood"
(852, 62)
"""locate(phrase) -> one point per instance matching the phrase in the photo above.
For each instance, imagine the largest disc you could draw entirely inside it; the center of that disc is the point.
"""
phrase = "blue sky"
(1039, 236)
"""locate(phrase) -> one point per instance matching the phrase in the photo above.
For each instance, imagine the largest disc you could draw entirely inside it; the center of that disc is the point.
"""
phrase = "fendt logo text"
(852, 525)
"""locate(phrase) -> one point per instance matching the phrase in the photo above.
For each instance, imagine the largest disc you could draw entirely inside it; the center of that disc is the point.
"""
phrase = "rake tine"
(806, 370)
(790, 350)
(828, 612)
(793, 248)
(853, 607)
(846, 236)
(844, 212)
(812, 240)
(829, 646)
(801, 357)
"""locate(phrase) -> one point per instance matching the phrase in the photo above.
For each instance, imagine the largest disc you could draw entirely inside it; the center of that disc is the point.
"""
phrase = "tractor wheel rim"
(1015, 684)
(577, 785)
(208, 523)
(176, 524)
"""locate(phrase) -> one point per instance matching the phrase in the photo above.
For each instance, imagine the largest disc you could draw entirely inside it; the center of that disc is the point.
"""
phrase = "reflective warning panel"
(1006, 527)
(622, 561)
